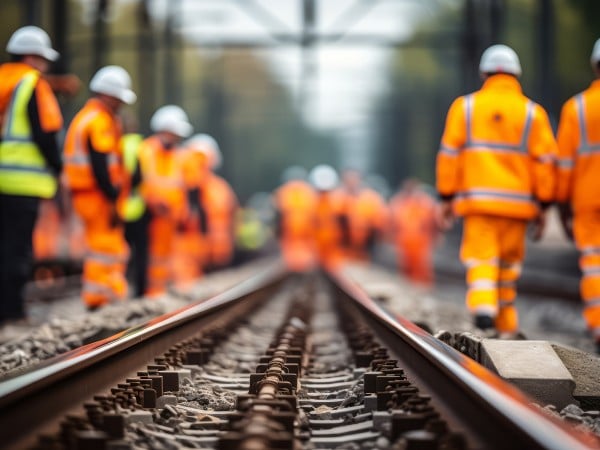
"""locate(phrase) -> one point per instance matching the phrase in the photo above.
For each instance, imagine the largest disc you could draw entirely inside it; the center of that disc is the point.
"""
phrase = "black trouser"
(136, 234)
(17, 219)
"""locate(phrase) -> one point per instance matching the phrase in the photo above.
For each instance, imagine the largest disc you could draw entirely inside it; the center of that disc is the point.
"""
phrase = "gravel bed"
(65, 324)
(442, 308)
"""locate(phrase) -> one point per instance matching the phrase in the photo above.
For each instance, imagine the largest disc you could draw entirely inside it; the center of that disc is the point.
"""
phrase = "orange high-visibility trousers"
(493, 249)
(162, 233)
(47, 231)
(189, 255)
(106, 250)
(585, 230)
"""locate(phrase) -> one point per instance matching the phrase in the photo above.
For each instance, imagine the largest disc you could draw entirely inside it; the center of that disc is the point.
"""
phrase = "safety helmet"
(500, 58)
(206, 144)
(173, 119)
(115, 82)
(293, 173)
(595, 57)
(31, 40)
(323, 177)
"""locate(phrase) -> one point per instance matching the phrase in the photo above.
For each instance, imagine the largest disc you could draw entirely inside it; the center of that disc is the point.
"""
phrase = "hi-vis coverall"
(29, 164)
(366, 218)
(579, 185)
(96, 127)
(496, 162)
(163, 189)
(296, 203)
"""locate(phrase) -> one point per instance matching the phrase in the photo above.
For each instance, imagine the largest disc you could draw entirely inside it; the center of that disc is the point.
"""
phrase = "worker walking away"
(29, 159)
(364, 216)
(163, 190)
(135, 214)
(578, 187)
(295, 204)
(328, 230)
(96, 179)
(217, 198)
(496, 168)
(413, 216)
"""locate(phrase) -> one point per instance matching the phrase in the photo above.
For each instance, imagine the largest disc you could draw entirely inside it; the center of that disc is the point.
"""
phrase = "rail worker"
(219, 202)
(95, 177)
(414, 229)
(29, 159)
(496, 168)
(163, 190)
(329, 213)
(578, 187)
(364, 216)
(295, 204)
(135, 215)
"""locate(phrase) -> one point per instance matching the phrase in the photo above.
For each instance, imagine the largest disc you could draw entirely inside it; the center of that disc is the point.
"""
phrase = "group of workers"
(154, 203)
(500, 168)
(324, 221)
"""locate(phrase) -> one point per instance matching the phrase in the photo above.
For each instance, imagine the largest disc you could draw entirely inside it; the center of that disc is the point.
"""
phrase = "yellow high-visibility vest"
(23, 168)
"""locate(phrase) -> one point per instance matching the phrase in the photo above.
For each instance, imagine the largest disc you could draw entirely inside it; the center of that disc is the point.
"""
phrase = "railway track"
(280, 361)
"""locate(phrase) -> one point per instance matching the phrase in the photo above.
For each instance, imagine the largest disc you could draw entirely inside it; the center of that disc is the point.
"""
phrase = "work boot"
(598, 347)
(484, 321)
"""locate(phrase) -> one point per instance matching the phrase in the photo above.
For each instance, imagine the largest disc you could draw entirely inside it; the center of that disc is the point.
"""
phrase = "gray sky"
(342, 80)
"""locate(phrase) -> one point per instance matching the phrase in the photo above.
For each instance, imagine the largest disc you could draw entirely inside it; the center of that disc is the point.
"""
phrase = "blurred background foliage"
(235, 95)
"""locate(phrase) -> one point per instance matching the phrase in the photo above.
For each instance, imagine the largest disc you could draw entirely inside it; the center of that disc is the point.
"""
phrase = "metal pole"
(99, 40)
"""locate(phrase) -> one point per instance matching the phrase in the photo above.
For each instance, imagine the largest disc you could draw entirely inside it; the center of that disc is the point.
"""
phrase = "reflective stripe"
(482, 285)
(587, 251)
(23, 168)
(468, 112)
(590, 272)
(449, 150)
(565, 163)
(92, 287)
(591, 303)
(105, 258)
(491, 194)
(471, 262)
(507, 284)
(584, 145)
(478, 145)
(506, 303)
(510, 265)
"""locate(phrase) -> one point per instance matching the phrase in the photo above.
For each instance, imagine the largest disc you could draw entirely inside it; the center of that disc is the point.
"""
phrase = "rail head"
(61, 381)
(494, 394)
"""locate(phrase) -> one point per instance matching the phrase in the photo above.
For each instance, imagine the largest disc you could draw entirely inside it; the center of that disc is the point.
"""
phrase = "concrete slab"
(533, 366)
(585, 369)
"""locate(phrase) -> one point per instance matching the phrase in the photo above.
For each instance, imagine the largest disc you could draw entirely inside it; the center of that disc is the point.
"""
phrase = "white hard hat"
(500, 58)
(113, 81)
(595, 57)
(206, 144)
(31, 40)
(323, 177)
(173, 119)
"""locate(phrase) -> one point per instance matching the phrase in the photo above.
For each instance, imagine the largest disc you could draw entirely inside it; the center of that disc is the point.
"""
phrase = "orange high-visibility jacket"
(49, 111)
(97, 125)
(497, 153)
(368, 213)
(220, 202)
(296, 201)
(579, 150)
(162, 177)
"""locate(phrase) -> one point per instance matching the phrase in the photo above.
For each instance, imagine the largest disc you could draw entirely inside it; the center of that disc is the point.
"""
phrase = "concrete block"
(533, 367)
(584, 368)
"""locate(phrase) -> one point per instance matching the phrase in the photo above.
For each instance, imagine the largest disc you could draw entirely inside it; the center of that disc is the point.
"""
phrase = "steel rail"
(34, 401)
(500, 414)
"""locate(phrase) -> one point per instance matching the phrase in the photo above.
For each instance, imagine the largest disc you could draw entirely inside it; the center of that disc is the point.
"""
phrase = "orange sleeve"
(568, 140)
(104, 135)
(453, 139)
(51, 119)
(543, 150)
